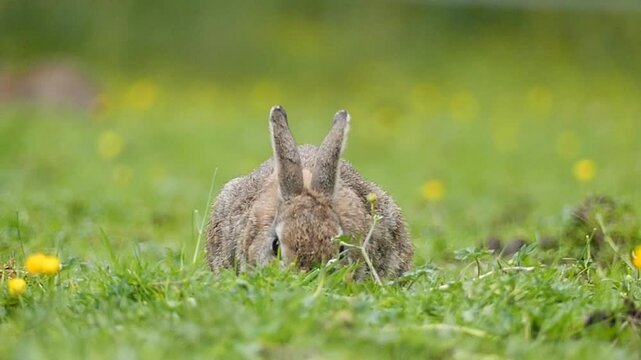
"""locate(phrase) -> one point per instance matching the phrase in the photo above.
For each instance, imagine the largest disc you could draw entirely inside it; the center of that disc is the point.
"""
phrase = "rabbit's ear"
(329, 153)
(286, 156)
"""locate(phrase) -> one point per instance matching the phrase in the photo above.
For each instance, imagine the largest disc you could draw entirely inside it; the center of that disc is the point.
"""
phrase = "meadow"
(485, 141)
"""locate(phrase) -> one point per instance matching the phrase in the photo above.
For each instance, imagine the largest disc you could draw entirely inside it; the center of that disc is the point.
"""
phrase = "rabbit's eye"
(275, 245)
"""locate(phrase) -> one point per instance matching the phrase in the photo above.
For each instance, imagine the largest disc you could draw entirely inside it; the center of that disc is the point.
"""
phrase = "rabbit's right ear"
(288, 165)
(329, 154)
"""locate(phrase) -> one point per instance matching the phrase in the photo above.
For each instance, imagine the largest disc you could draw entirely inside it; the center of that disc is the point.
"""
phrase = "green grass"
(126, 227)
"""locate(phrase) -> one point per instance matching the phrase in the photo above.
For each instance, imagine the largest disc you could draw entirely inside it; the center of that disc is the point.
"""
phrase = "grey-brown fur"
(304, 196)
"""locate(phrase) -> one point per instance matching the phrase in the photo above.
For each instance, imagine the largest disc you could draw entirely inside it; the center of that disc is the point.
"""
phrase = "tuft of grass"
(156, 307)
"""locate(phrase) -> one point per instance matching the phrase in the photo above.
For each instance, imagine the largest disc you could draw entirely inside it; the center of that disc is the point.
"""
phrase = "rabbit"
(294, 205)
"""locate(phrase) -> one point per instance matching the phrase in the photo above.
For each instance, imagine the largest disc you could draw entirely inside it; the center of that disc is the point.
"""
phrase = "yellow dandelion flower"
(17, 286)
(584, 170)
(34, 263)
(40, 263)
(109, 145)
(50, 265)
(464, 107)
(636, 257)
(433, 190)
(142, 94)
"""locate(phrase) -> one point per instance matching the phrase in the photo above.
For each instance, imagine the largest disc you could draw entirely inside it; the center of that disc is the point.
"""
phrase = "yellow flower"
(584, 170)
(34, 263)
(17, 286)
(40, 263)
(109, 145)
(142, 94)
(50, 265)
(433, 190)
(636, 257)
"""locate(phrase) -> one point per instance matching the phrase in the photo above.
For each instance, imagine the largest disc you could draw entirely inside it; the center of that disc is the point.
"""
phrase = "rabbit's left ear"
(329, 154)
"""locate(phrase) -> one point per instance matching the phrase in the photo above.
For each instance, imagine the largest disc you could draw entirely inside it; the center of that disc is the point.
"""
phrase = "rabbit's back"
(229, 216)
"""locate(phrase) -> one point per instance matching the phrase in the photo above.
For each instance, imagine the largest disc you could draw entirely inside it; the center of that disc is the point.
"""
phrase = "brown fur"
(279, 197)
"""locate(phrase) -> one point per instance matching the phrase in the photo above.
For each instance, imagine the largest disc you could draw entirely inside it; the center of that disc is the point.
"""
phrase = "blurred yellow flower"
(17, 286)
(433, 190)
(584, 170)
(50, 265)
(636, 257)
(40, 263)
(109, 145)
(142, 94)
(34, 263)
(464, 107)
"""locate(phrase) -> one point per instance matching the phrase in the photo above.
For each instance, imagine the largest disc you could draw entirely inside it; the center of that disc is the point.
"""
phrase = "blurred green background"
(479, 118)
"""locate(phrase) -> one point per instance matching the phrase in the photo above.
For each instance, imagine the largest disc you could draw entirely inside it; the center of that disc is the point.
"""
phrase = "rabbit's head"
(306, 222)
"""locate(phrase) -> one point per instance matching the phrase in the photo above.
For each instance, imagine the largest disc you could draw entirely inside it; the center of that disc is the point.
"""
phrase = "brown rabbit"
(294, 206)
